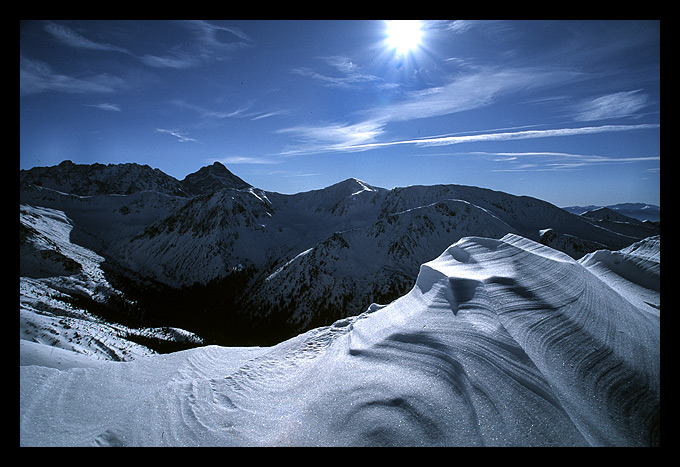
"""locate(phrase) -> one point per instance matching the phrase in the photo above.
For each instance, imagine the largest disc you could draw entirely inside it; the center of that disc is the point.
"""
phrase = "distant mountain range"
(230, 263)
(639, 211)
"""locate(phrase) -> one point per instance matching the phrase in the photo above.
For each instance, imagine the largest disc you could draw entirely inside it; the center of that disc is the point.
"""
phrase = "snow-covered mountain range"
(287, 261)
(536, 326)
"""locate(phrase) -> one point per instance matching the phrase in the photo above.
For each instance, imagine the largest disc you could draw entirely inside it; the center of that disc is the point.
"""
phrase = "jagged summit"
(128, 178)
(100, 179)
(211, 178)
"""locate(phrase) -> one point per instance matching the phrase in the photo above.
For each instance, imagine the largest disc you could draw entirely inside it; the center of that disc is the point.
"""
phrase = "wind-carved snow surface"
(500, 343)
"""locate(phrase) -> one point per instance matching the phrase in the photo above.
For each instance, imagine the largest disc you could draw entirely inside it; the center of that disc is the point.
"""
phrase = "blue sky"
(566, 111)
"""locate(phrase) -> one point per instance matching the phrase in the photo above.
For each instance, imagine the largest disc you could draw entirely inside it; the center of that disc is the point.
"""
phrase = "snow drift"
(500, 343)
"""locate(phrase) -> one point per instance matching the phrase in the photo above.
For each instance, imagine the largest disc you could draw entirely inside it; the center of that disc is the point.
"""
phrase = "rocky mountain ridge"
(124, 179)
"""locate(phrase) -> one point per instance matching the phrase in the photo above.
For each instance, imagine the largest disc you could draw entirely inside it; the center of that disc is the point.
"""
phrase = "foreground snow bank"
(501, 342)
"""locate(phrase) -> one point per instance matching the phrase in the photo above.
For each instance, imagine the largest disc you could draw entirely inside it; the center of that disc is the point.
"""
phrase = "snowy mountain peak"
(352, 186)
(362, 187)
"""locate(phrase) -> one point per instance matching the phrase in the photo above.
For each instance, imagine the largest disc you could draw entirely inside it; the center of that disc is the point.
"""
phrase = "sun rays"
(404, 36)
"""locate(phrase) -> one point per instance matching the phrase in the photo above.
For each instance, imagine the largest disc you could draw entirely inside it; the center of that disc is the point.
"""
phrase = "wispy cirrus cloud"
(480, 88)
(244, 111)
(105, 106)
(204, 47)
(181, 137)
(265, 114)
(362, 137)
(206, 113)
(207, 32)
(234, 160)
(464, 92)
(506, 136)
(344, 81)
(36, 77)
(72, 38)
(555, 161)
(616, 105)
(460, 25)
(175, 59)
(347, 74)
(332, 137)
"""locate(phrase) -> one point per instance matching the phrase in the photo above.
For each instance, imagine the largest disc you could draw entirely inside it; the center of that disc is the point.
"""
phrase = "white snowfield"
(500, 343)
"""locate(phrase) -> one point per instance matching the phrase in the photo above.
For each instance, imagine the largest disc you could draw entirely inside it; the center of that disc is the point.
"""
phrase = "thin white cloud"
(506, 136)
(348, 74)
(244, 111)
(554, 167)
(205, 47)
(37, 77)
(331, 137)
(460, 25)
(554, 161)
(211, 114)
(362, 137)
(105, 106)
(617, 105)
(344, 81)
(180, 137)
(274, 113)
(289, 174)
(175, 60)
(343, 64)
(207, 32)
(482, 87)
(589, 158)
(467, 92)
(233, 160)
(71, 38)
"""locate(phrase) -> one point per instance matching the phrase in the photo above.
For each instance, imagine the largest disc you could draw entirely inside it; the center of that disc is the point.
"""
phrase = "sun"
(404, 35)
